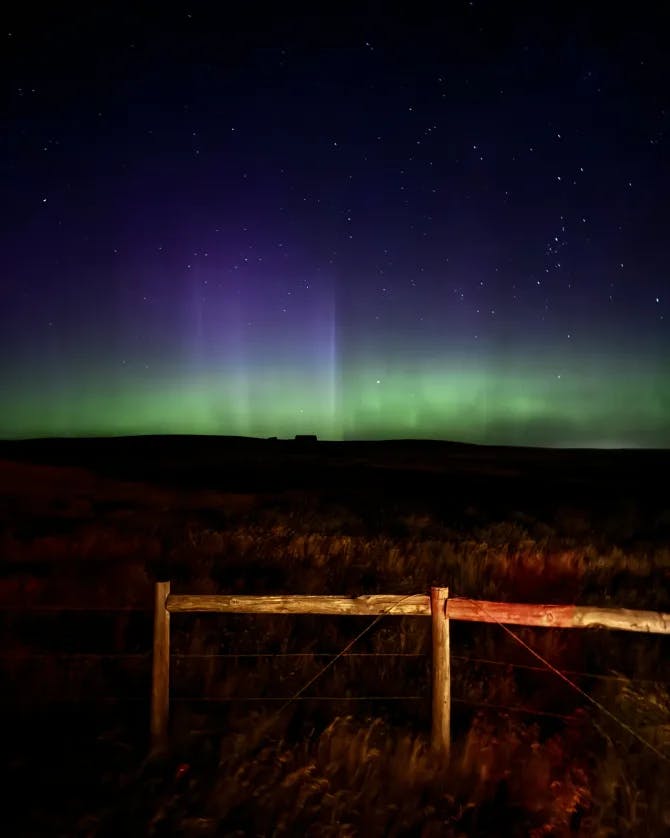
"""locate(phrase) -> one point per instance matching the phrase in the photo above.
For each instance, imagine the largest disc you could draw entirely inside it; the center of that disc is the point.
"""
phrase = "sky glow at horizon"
(225, 230)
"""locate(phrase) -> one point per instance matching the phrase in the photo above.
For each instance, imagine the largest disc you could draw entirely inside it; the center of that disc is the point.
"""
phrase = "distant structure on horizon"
(305, 438)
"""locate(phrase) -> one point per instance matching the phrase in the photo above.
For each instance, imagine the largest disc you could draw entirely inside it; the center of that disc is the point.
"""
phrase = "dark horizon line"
(314, 439)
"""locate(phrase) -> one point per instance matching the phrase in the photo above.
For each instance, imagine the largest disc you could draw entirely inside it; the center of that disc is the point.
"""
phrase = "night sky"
(382, 225)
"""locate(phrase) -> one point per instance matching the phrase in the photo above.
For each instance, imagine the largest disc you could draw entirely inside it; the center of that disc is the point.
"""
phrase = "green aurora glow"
(544, 403)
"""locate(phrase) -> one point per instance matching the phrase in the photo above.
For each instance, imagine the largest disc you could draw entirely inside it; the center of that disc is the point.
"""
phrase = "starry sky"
(384, 224)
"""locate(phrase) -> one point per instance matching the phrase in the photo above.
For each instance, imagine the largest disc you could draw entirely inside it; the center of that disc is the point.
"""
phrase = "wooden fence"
(438, 606)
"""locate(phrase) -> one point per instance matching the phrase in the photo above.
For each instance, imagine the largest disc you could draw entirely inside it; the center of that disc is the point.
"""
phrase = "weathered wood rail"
(438, 605)
(419, 605)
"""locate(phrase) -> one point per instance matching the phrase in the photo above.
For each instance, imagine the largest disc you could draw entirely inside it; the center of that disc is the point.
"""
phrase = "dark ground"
(90, 523)
(441, 473)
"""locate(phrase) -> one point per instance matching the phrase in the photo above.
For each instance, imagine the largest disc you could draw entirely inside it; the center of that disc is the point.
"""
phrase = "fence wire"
(181, 656)
(567, 676)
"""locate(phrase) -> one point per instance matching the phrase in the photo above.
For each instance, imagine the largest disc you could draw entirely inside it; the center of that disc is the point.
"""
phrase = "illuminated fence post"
(374, 605)
(441, 734)
(160, 674)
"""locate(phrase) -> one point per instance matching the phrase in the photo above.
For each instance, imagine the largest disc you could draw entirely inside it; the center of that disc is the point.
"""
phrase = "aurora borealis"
(369, 227)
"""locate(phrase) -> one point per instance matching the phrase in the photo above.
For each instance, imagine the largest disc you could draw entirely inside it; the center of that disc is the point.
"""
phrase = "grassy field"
(88, 525)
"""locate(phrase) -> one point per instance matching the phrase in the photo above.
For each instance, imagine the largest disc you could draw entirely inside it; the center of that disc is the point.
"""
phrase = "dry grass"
(366, 778)
(72, 538)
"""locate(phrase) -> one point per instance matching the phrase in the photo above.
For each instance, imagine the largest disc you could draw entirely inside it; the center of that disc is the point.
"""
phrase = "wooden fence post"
(441, 722)
(160, 673)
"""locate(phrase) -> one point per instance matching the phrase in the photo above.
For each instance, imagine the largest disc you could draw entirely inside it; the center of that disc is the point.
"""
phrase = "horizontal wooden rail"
(438, 606)
(418, 605)
(558, 616)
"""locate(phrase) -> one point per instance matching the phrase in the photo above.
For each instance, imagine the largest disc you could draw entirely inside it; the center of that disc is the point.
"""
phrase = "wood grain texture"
(418, 605)
(160, 669)
(558, 616)
(415, 605)
(441, 712)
